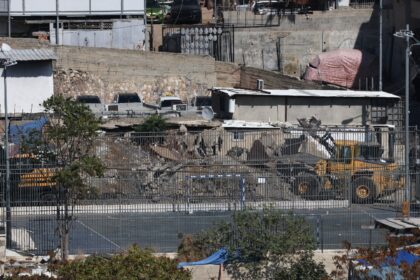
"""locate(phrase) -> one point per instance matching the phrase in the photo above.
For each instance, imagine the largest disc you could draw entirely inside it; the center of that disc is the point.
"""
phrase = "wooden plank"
(389, 224)
(413, 221)
(402, 223)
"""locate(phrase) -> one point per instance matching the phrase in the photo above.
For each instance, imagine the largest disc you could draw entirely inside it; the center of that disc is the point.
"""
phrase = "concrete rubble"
(159, 168)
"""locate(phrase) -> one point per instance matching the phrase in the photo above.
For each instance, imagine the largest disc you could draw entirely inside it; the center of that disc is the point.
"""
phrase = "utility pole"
(57, 22)
(9, 20)
(6, 152)
(407, 120)
(380, 43)
(7, 63)
(407, 34)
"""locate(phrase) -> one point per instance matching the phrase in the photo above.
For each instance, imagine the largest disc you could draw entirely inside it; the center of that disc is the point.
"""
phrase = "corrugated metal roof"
(247, 124)
(308, 93)
(28, 54)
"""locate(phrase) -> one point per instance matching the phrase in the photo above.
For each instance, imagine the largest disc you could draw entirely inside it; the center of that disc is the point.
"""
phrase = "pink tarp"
(344, 67)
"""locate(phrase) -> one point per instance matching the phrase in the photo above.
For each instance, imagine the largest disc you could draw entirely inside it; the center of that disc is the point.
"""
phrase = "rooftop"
(28, 54)
(308, 93)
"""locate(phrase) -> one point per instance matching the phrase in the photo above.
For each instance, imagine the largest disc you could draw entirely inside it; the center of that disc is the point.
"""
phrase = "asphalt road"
(108, 232)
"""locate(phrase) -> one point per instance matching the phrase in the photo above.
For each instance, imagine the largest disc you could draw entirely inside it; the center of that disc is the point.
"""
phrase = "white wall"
(76, 7)
(28, 84)
(125, 34)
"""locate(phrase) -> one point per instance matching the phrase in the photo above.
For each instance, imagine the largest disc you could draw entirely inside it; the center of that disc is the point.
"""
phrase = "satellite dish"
(207, 113)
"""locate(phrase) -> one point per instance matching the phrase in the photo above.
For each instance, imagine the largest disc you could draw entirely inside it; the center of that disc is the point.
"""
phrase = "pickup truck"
(171, 103)
(126, 103)
(93, 102)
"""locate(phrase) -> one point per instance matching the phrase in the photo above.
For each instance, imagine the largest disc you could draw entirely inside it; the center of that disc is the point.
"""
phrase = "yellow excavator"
(30, 180)
(355, 169)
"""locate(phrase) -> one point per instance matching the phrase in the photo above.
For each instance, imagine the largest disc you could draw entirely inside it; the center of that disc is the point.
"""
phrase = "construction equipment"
(354, 169)
(31, 180)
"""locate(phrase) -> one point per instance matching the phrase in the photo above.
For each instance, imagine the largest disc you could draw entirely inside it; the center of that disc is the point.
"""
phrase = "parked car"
(201, 101)
(275, 7)
(127, 103)
(267, 7)
(171, 103)
(154, 12)
(93, 102)
(185, 11)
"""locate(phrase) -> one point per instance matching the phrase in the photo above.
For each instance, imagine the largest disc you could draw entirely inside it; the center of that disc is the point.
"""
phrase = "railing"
(214, 39)
(362, 4)
(159, 185)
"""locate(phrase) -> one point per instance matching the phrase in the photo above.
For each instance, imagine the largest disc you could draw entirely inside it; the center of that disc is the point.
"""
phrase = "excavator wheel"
(307, 186)
(363, 190)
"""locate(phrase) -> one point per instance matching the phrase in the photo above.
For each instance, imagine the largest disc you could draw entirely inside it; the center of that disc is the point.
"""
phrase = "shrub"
(266, 244)
(136, 264)
(153, 123)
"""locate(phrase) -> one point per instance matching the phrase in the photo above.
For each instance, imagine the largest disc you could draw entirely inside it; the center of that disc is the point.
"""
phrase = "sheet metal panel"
(308, 93)
(125, 34)
(29, 54)
(74, 7)
(3, 6)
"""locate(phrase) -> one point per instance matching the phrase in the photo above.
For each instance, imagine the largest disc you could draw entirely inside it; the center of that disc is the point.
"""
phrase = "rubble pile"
(182, 165)
(73, 83)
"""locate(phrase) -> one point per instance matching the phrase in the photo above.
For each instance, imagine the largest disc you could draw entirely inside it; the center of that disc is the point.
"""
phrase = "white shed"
(29, 82)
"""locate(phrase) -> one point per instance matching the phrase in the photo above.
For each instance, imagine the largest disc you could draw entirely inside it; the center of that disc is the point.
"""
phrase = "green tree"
(266, 244)
(68, 142)
(153, 123)
(151, 130)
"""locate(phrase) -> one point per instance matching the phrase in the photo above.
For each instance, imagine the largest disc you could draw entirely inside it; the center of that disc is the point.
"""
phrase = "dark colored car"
(154, 12)
(185, 11)
(201, 101)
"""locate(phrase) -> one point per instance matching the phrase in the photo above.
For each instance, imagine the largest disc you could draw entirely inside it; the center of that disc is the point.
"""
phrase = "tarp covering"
(391, 265)
(217, 258)
(17, 132)
(348, 68)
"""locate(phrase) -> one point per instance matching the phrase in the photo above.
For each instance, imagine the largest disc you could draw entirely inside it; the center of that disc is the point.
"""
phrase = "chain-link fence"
(158, 187)
(363, 4)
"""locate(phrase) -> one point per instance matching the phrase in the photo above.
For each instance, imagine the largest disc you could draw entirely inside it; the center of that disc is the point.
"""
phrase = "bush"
(154, 123)
(266, 244)
(136, 264)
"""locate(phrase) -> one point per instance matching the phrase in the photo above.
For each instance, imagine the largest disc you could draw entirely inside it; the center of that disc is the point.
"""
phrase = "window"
(344, 154)
(129, 98)
(238, 135)
(88, 99)
(169, 103)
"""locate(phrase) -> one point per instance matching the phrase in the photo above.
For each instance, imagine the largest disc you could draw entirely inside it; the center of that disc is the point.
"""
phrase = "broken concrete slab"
(165, 152)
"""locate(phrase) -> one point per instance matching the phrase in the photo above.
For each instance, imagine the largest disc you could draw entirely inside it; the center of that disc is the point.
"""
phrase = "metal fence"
(245, 17)
(158, 187)
(214, 40)
(363, 4)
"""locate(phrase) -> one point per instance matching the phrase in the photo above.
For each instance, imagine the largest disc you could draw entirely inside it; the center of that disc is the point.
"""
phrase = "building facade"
(331, 107)
(29, 82)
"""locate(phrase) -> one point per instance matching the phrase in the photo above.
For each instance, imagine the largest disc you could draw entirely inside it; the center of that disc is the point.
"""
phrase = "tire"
(363, 190)
(306, 185)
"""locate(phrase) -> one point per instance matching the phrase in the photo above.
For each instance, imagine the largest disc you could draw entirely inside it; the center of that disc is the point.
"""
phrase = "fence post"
(318, 226)
(188, 199)
(322, 235)
(242, 191)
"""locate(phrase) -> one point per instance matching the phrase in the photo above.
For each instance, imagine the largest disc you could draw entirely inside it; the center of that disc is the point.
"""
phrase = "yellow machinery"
(355, 170)
(30, 180)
